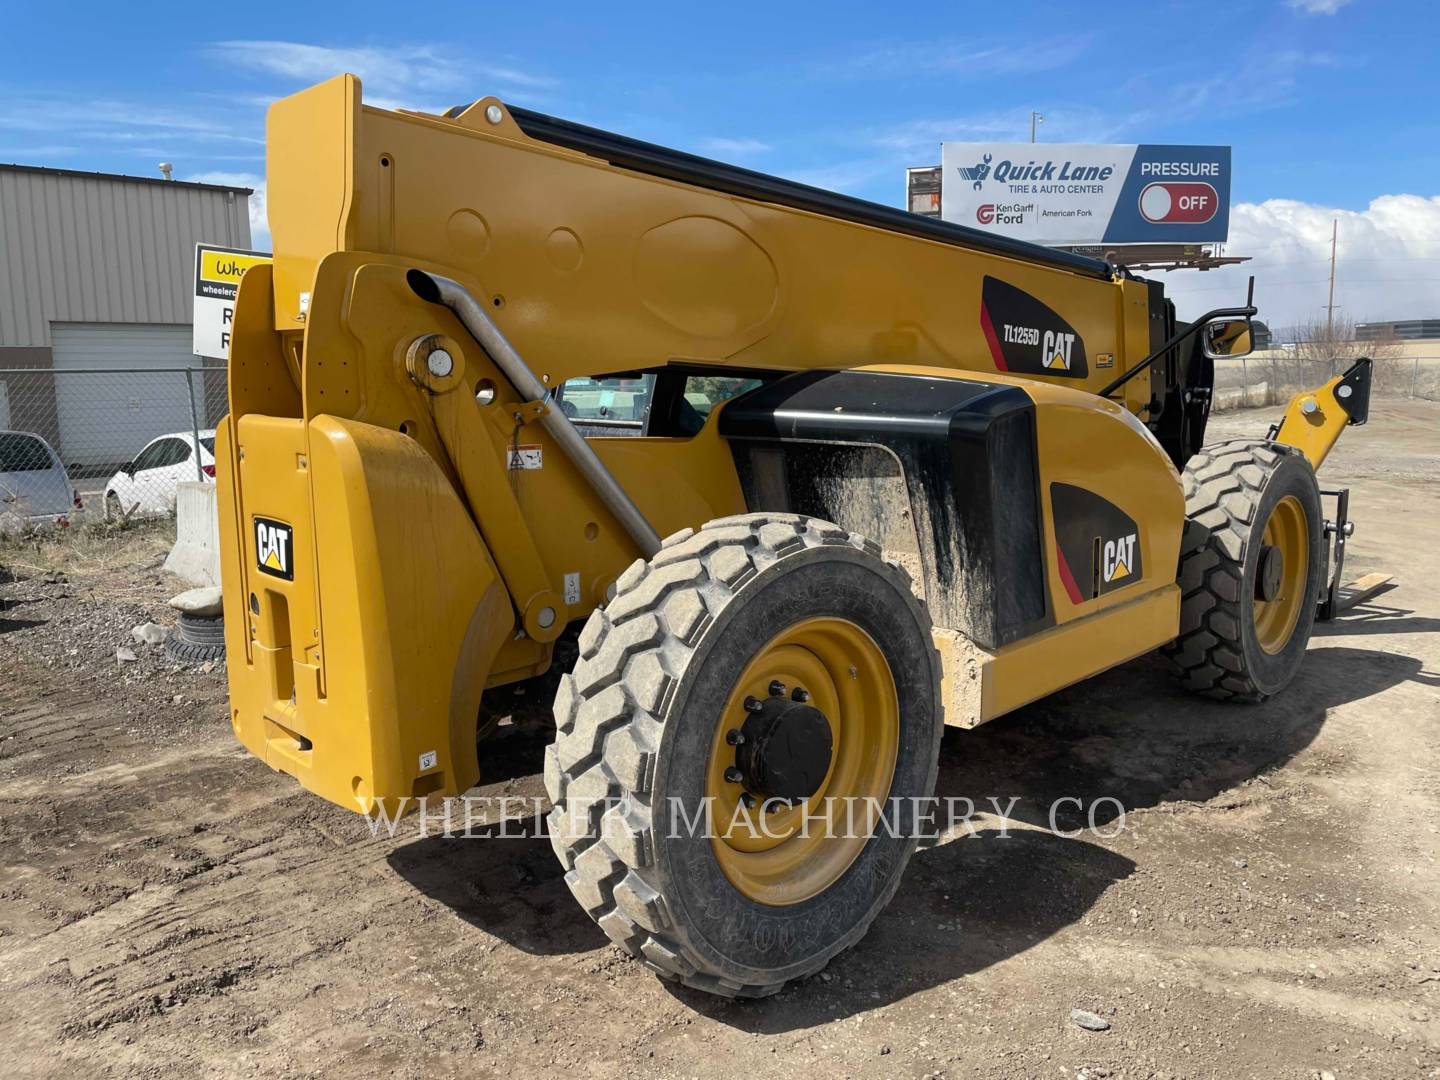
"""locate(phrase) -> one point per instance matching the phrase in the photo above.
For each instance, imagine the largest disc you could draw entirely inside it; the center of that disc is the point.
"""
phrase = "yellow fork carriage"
(757, 486)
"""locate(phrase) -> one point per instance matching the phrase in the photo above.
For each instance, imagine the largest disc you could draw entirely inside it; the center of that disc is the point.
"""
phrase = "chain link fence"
(108, 443)
(103, 444)
(1273, 379)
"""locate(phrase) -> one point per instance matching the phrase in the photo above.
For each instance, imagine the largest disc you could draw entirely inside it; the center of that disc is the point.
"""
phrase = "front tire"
(750, 612)
(1251, 584)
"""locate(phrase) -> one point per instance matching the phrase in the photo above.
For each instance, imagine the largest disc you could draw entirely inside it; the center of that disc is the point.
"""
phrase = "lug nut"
(777, 689)
(753, 704)
(734, 737)
(734, 775)
(800, 694)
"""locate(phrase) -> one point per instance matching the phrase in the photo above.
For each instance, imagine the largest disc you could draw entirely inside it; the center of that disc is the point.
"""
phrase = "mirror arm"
(1246, 312)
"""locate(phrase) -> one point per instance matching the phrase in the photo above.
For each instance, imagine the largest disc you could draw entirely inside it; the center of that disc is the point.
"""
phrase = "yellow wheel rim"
(792, 853)
(1289, 532)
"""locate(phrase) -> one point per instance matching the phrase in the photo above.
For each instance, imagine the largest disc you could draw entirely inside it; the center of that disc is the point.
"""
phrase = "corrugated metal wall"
(101, 249)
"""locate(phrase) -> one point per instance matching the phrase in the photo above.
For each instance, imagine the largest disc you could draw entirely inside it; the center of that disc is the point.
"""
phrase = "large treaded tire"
(625, 740)
(1231, 488)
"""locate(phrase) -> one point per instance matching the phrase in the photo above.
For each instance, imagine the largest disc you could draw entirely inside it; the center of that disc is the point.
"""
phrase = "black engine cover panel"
(945, 468)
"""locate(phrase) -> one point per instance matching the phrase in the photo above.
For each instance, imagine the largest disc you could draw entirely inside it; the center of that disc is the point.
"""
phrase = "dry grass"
(86, 547)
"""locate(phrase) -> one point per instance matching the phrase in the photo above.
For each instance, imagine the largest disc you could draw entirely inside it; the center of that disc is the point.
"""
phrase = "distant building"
(1403, 330)
(97, 272)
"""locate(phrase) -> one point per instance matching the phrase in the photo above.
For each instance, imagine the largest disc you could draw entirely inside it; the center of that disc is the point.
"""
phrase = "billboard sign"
(1069, 194)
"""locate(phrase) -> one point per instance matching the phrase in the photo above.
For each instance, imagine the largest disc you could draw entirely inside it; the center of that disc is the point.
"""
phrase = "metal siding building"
(97, 271)
(93, 248)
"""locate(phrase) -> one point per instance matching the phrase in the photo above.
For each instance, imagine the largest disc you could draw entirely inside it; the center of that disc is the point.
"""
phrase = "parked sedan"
(147, 485)
(33, 483)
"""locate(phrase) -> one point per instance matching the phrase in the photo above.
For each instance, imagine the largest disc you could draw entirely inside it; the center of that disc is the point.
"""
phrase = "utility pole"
(1330, 347)
(1035, 118)
(1330, 304)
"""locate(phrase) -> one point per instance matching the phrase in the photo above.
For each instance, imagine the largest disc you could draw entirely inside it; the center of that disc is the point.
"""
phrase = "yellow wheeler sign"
(217, 281)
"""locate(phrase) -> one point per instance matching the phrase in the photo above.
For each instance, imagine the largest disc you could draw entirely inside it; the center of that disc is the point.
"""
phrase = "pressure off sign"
(1185, 202)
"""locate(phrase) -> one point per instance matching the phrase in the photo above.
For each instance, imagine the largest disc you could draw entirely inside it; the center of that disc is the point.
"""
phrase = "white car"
(33, 482)
(147, 485)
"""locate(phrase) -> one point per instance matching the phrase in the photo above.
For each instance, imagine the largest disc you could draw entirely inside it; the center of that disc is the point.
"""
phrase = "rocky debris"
(1088, 1020)
(149, 633)
(124, 655)
(202, 603)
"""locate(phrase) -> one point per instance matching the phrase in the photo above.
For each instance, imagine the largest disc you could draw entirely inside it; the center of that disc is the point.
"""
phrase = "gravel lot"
(1270, 908)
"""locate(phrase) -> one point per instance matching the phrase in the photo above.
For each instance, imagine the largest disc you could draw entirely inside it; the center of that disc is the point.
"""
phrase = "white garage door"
(107, 418)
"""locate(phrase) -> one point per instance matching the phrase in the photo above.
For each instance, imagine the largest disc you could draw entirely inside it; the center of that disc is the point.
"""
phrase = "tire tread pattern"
(610, 712)
(1223, 486)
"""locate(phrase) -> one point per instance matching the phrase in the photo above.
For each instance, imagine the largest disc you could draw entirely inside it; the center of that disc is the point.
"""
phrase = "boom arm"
(1314, 419)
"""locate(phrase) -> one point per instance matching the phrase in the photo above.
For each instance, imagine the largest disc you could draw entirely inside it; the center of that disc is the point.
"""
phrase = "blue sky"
(1327, 103)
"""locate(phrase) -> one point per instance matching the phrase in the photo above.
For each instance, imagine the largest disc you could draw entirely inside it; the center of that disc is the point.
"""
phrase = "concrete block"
(196, 555)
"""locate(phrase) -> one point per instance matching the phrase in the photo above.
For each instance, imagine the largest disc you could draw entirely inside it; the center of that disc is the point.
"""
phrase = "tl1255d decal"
(1026, 336)
(1096, 543)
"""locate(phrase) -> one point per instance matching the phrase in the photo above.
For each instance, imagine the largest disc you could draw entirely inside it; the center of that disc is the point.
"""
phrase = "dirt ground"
(1270, 908)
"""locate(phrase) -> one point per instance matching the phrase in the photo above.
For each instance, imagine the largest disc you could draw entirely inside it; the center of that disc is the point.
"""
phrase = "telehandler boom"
(760, 486)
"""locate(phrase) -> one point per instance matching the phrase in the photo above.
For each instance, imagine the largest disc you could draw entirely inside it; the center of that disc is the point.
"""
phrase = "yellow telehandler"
(759, 484)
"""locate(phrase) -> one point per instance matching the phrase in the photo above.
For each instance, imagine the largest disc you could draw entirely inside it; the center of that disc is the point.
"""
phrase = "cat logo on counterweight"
(274, 548)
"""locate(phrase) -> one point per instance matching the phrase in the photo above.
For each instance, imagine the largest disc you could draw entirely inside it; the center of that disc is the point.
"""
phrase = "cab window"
(614, 405)
(703, 392)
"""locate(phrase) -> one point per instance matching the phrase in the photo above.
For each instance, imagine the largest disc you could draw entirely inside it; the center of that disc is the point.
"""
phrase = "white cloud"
(1387, 267)
(13, 153)
(739, 147)
(259, 219)
(1255, 82)
(963, 59)
(107, 120)
(922, 138)
(396, 75)
(851, 177)
(1316, 7)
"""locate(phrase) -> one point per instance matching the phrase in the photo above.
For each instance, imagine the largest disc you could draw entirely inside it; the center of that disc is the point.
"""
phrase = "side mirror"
(129, 469)
(1227, 339)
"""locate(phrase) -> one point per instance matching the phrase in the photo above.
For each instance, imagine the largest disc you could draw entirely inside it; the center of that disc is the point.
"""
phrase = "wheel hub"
(1281, 575)
(1271, 573)
(780, 850)
(784, 747)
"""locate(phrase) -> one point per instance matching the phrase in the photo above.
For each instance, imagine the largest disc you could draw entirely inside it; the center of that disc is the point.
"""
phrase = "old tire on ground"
(763, 616)
(1251, 578)
(195, 639)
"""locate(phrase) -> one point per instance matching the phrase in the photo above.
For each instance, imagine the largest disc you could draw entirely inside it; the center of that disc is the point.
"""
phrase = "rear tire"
(1245, 500)
(640, 721)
